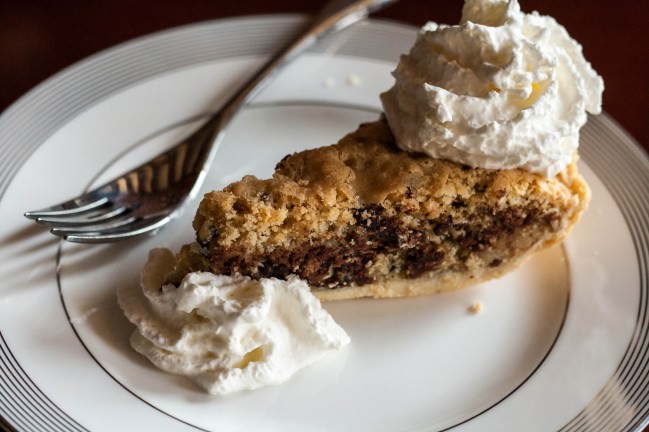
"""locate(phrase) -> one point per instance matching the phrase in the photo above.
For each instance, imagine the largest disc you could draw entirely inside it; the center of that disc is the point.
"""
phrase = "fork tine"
(87, 218)
(69, 208)
(117, 222)
(135, 227)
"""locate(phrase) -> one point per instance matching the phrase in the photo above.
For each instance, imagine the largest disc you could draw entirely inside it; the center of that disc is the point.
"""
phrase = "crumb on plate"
(476, 307)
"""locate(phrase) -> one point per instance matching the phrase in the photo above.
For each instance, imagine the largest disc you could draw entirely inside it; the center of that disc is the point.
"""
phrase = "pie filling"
(379, 246)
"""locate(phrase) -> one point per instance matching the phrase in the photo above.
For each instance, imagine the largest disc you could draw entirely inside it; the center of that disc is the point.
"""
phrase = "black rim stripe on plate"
(592, 415)
(624, 169)
(632, 374)
(26, 396)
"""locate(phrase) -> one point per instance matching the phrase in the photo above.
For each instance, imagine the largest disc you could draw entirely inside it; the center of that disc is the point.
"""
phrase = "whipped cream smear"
(503, 89)
(227, 333)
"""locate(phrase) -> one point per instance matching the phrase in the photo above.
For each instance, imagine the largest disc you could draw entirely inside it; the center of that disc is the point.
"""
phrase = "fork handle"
(334, 16)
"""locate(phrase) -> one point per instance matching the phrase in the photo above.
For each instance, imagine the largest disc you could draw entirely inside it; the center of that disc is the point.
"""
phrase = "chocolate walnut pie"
(362, 218)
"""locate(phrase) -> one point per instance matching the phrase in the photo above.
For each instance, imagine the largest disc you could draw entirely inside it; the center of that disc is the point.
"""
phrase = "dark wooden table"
(40, 37)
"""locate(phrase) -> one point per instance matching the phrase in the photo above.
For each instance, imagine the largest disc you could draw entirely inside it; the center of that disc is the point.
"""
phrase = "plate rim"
(630, 156)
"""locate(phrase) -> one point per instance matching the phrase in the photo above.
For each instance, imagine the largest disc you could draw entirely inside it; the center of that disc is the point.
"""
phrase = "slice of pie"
(362, 218)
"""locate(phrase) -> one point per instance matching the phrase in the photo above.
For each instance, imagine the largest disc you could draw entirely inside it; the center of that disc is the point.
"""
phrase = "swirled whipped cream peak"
(503, 89)
(227, 333)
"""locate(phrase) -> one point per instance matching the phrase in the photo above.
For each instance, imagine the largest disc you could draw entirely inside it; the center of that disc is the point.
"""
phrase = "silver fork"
(149, 196)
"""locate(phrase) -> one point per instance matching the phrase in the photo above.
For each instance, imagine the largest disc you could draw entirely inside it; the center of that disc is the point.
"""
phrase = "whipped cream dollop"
(228, 333)
(503, 89)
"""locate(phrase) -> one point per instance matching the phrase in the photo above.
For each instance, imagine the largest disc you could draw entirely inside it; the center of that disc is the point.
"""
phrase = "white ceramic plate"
(560, 345)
